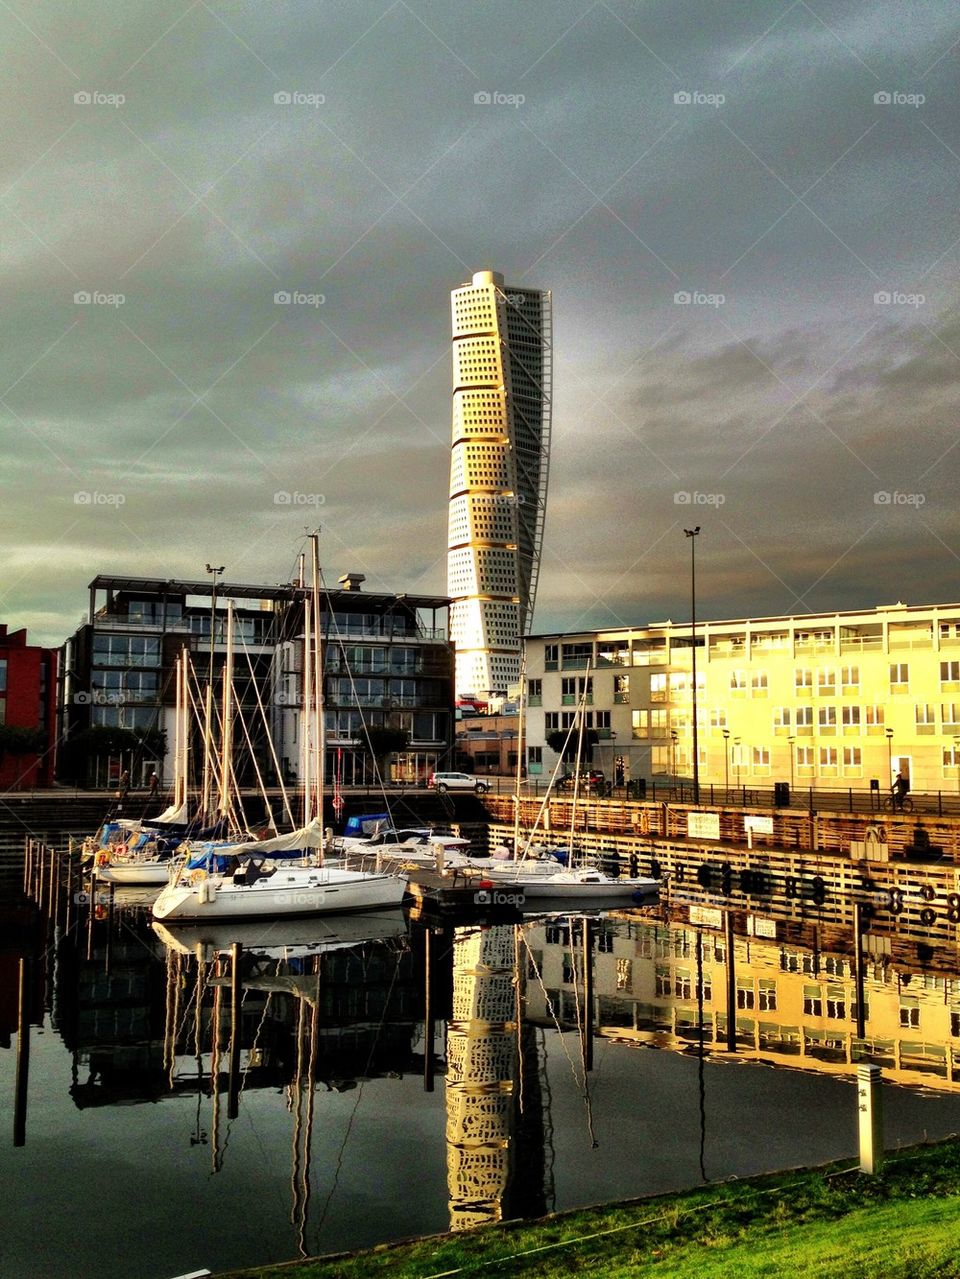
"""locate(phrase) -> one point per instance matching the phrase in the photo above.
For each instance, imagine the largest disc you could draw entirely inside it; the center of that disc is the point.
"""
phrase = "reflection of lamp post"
(692, 534)
(726, 763)
(673, 756)
(790, 741)
(889, 733)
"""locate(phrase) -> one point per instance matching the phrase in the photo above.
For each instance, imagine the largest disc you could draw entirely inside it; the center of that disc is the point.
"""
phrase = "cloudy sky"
(790, 168)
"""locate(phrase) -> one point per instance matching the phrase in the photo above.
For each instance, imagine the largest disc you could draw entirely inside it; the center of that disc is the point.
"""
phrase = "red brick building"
(28, 687)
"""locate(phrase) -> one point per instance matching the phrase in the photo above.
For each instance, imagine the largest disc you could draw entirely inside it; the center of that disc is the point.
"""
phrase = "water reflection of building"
(795, 999)
(493, 1098)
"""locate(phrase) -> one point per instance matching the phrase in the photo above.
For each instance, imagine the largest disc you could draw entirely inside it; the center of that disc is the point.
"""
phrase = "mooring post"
(233, 1083)
(429, 1030)
(23, 1055)
(107, 956)
(870, 1108)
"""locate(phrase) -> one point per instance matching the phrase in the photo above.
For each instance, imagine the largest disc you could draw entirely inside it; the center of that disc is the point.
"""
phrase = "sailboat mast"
(306, 714)
(320, 735)
(226, 744)
(581, 712)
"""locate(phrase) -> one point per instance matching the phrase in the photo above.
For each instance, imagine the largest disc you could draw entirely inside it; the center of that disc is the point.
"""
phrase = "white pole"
(870, 1113)
(226, 746)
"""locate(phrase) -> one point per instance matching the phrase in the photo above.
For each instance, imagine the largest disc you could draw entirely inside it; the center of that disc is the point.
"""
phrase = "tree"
(557, 740)
(381, 743)
(100, 741)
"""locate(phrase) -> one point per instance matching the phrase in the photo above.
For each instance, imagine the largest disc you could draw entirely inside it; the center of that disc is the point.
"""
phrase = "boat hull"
(140, 874)
(286, 893)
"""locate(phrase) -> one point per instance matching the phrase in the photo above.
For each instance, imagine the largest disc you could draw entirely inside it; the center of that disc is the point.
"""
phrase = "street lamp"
(726, 765)
(736, 743)
(889, 736)
(692, 533)
(673, 756)
(956, 748)
(790, 741)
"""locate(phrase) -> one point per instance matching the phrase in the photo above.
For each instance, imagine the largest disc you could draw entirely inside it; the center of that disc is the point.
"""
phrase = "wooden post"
(106, 958)
(429, 1030)
(233, 1083)
(731, 987)
(23, 1055)
(870, 1109)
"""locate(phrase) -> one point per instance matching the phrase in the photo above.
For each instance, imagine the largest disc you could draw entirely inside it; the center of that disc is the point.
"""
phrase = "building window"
(803, 718)
(658, 688)
(873, 718)
(828, 760)
(950, 675)
(850, 678)
(738, 681)
(852, 761)
(899, 677)
(758, 684)
(621, 688)
(803, 681)
(781, 717)
(3, 674)
(805, 759)
(718, 718)
(551, 657)
(950, 714)
(761, 759)
(641, 723)
(851, 719)
(826, 682)
(534, 692)
(551, 721)
(535, 755)
(926, 719)
(827, 719)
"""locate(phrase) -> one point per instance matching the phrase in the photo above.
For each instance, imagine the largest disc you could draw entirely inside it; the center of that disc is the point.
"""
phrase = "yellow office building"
(830, 700)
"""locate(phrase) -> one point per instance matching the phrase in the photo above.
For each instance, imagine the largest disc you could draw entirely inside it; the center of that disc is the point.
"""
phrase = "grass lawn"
(828, 1223)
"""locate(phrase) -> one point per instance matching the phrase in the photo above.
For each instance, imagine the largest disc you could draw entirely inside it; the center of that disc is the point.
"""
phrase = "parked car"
(458, 781)
(590, 780)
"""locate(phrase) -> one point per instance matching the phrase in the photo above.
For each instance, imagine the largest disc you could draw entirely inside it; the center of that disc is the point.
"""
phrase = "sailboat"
(253, 884)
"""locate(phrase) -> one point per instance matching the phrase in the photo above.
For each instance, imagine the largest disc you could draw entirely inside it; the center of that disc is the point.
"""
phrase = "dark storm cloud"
(194, 405)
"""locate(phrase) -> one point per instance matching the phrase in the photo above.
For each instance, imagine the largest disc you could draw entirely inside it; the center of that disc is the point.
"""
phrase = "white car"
(458, 781)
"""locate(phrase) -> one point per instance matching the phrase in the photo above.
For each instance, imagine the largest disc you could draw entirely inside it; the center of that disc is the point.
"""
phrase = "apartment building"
(832, 700)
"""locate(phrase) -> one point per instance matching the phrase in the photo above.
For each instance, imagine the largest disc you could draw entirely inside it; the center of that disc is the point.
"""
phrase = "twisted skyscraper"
(498, 475)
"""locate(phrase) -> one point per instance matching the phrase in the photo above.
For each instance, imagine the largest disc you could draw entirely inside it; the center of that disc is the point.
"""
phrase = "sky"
(746, 211)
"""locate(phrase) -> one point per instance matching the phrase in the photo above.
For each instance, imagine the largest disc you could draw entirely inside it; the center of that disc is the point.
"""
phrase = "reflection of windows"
(767, 995)
(836, 1003)
(812, 1001)
(663, 983)
(744, 994)
(909, 1014)
(683, 985)
(624, 974)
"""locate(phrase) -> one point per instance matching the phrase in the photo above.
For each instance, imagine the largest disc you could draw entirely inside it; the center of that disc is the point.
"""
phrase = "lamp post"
(736, 743)
(790, 741)
(207, 791)
(889, 736)
(673, 756)
(726, 765)
(692, 533)
(956, 748)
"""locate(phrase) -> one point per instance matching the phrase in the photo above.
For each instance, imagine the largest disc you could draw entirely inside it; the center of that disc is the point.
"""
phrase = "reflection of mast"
(484, 1068)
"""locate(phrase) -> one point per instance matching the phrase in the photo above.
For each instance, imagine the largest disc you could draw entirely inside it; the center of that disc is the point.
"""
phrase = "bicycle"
(892, 804)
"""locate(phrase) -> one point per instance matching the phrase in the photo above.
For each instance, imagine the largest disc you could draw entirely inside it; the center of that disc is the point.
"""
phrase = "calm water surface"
(132, 1165)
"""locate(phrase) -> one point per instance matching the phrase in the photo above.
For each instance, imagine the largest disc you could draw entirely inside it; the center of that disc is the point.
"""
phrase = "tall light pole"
(692, 534)
(673, 756)
(956, 748)
(790, 741)
(736, 743)
(726, 766)
(206, 802)
(889, 735)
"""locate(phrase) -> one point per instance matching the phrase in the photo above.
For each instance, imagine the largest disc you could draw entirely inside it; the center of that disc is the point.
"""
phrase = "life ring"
(928, 917)
(895, 901)
(928, 892)
(819, 894)
(704, 876)
(678, 873)
(197, 876)
(790, 886)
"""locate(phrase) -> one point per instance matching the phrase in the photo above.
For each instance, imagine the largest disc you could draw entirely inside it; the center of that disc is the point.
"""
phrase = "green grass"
(829, 1223)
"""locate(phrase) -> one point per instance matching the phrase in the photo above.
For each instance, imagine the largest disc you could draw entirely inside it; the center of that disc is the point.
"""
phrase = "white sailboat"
(258, 887)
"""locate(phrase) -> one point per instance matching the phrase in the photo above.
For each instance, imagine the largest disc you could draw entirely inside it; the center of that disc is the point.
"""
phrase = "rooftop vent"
(351, 581)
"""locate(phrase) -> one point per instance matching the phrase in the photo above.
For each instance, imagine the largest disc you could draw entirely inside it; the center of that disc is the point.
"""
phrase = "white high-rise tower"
(498, 475)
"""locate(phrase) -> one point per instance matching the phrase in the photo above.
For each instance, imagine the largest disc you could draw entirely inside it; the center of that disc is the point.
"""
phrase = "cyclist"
(899, 791)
